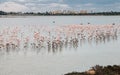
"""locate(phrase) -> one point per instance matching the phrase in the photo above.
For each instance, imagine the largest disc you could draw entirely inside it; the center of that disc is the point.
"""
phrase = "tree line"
(50, 13)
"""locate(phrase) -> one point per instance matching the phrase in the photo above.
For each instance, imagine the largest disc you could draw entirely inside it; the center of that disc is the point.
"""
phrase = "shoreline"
(14, 16)
(99, 70)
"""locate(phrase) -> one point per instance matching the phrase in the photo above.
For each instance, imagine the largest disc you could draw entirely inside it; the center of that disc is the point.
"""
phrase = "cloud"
(47, 7)
(61, 0)
(12, 7)
(88, 4)
(85, 5)
(21, 0)
(32, 6)
(59, 5)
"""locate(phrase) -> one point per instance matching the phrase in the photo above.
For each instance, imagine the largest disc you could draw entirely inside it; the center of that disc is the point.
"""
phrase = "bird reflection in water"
(54, 39)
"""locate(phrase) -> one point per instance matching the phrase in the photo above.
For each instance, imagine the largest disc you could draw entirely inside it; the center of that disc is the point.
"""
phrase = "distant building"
(56, 12)
(83, 11)
(68, 12)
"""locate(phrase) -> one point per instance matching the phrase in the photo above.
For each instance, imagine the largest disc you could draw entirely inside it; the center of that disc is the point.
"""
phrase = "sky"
(50, 5)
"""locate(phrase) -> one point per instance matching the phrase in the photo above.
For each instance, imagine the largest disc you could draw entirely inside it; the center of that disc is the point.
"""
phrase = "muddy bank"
(100, 70)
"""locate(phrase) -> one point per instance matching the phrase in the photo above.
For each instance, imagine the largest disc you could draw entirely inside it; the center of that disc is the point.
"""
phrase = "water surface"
(45, 62)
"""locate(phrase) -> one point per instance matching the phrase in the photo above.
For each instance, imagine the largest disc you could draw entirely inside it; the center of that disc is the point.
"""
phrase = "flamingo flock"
(56, 37)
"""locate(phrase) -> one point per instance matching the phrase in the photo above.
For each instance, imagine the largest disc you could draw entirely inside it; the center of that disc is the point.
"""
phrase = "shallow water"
(58, 62)
(60, 20)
